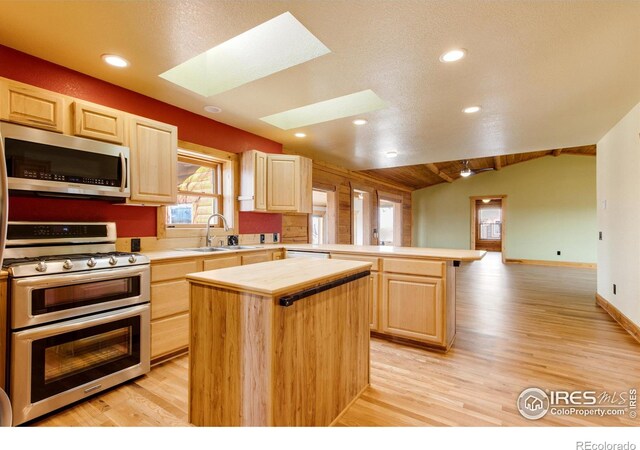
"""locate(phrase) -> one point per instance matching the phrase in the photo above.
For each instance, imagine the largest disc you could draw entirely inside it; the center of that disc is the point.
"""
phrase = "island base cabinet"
(412, 308)
(256, 363)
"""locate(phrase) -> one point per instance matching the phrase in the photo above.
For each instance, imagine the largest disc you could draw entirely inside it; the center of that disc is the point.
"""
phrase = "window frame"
(227, 181)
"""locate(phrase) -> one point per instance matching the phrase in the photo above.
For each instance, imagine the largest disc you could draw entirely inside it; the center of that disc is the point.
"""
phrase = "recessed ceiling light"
(391, 154)
(360, 122)
(453, 55)
(212, 109)
(300, 135)
(471, 109)
(115, 60)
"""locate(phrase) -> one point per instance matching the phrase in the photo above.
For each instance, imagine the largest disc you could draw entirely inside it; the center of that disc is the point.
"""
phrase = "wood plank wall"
(295, 227)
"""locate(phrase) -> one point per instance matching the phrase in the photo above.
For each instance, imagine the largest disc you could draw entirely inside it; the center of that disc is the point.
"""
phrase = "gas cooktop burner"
(72, 257)
(39, 248)
(73, 262)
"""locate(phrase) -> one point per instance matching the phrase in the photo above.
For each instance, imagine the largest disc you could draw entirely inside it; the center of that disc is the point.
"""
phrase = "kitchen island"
(278, 343)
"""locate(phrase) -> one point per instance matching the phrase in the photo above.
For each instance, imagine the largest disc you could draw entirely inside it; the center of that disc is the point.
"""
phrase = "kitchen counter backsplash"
(152, 243)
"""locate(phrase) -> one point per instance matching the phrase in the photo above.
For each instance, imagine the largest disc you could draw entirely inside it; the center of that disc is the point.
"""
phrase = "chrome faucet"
(209, 238)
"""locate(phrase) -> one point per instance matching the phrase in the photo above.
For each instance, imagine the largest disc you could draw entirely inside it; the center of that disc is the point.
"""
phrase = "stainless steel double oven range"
(78, 314)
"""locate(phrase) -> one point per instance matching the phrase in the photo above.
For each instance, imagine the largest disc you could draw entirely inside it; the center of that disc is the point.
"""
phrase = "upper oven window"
(58, 298)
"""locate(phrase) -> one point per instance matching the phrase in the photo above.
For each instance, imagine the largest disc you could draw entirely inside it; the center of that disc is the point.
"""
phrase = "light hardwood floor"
(518, 327)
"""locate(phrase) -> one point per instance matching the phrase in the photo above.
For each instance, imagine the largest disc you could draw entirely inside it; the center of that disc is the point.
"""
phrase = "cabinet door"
(283, 182)
(373, 301)
(154, 158)
(31, 106)
(412, 307)
(95, 122)
(260, 180)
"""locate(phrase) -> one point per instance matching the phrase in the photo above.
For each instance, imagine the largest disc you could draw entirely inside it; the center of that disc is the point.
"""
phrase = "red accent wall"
(132, 221)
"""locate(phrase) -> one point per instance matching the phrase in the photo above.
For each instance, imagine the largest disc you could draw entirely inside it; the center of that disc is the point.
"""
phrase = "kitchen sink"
(217, 249)
(205, 249)
(240, 247)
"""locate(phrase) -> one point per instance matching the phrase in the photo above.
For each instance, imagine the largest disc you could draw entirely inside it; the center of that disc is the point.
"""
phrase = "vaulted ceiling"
(419, 176)
(547, 74)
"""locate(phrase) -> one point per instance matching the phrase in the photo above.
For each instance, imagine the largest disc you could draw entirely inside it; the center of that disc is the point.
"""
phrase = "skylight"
(335, 108)
(270, 47)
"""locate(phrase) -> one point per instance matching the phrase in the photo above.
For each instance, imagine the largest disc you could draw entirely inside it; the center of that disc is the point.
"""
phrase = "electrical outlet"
(600, 235)
(275, 237)
(558, 252)
(135, 244)
(262, 238)
(614, 289)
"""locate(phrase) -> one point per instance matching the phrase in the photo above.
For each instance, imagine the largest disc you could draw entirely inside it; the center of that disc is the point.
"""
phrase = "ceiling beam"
(433, 168)
(557, 152)
(497, 162)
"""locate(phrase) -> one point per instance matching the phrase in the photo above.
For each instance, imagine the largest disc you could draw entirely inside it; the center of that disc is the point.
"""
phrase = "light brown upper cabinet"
(253, 181)
(97, 122)
(275, 183)
(154, 158)
(31, 106)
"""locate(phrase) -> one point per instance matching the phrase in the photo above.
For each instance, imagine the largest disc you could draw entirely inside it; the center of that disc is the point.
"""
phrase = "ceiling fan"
(466, 170)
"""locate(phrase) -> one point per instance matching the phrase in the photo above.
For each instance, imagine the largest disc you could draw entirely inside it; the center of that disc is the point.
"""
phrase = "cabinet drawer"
(414, 267)
(169, 335)
(253, 258)
(95, 122)
(169, 298)
(174, 270)
(375, 262)
(222, 262)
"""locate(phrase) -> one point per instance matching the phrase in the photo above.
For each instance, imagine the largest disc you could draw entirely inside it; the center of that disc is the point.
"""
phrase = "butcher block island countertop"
(280, 343)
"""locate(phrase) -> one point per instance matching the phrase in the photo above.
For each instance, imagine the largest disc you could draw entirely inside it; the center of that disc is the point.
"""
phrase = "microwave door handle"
(123, 171)
(4, 200)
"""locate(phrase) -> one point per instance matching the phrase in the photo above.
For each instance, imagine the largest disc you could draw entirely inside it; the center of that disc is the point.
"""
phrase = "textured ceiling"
(548, 74)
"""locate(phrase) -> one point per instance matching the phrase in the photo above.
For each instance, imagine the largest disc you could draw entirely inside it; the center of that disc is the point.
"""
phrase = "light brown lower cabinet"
(170, 297)
(411, 299)
(169, 335)
(373, 301)
(257, 257)
(412, 307)
(170, 307)
(221, 262)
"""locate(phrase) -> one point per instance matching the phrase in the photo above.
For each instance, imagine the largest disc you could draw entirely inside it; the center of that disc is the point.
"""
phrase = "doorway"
(361, 212)
(322, 222)
(487, 223)
(390, 220)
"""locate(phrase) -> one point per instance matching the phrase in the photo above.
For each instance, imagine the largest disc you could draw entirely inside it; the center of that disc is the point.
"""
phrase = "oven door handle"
(70, 278)
(83, 322)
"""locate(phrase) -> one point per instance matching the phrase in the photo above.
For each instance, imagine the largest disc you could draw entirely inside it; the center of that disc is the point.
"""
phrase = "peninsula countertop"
(278, 277)
(442, 254)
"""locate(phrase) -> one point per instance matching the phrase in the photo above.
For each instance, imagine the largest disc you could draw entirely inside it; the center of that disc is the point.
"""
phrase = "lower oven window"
(68, 360)
(50, 299)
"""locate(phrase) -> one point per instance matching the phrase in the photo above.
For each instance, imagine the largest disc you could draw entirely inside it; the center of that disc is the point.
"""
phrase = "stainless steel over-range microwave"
(56, 164)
